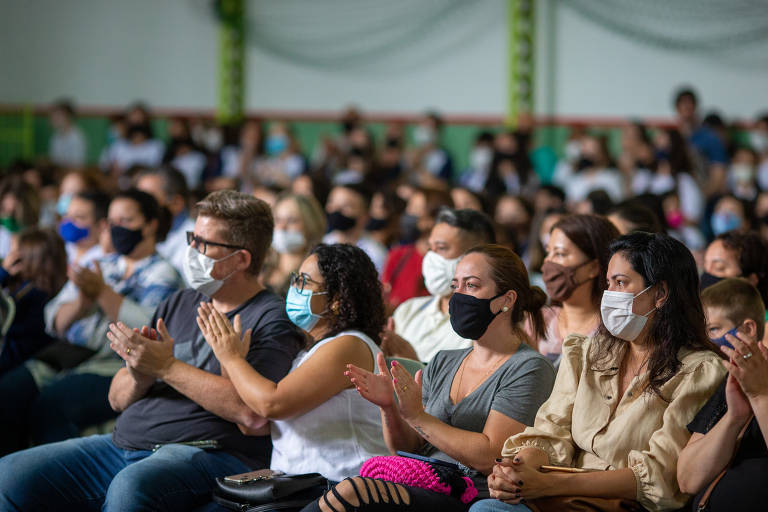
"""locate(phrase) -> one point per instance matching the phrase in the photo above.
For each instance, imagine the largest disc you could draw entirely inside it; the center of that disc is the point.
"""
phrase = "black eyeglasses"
(299, 281)
(201, 244)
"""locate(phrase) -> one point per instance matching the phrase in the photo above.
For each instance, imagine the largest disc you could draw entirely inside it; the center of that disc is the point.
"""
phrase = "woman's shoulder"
(692, 359)
(576, 345)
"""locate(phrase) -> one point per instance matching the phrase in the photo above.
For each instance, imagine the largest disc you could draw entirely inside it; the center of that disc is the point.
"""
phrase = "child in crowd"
(730, 431)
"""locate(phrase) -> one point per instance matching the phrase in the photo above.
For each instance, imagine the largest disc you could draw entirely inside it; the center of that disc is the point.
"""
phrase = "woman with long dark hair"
(623, 397)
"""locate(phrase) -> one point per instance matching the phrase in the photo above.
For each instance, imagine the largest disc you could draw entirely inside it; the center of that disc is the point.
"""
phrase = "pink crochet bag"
(426, 475)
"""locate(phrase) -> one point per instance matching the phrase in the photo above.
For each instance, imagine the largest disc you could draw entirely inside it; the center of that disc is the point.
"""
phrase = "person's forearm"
(213, 393)
(257, 392)
(128, 387)
(110, 301)
(69, 313)
(398, 435)
(472, 449)
(403, 348)
(760, 408)
(618, 483)
(702, 460)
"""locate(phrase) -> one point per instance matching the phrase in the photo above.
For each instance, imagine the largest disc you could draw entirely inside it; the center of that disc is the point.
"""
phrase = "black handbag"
(265, 490)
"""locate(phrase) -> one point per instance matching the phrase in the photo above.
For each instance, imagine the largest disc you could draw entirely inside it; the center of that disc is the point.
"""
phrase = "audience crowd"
(220, 301)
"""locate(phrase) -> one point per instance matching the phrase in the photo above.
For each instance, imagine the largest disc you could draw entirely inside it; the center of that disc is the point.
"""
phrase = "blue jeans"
(497, 506)
(56, 412)
(91, 473)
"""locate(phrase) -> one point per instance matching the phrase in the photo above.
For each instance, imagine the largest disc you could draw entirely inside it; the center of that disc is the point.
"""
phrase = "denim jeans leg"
(70, 475)
(175, 477)
(497, 506)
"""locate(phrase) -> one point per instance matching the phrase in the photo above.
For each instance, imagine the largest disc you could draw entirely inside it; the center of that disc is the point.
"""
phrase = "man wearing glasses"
(182, 422)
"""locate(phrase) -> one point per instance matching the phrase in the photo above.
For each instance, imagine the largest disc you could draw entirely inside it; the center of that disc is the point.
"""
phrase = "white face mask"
(285, 241)
(438, 273)
(618, 318)
(197, 271)
(480, 159)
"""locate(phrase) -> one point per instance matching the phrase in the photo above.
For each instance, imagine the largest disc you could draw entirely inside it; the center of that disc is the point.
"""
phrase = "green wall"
(457, 138)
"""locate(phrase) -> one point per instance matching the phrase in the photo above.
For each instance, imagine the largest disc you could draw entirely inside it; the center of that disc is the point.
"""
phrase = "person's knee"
(497, 506)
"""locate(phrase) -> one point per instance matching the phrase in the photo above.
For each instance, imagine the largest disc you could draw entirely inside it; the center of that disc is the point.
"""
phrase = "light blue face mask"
(724, 222)
(299, 308)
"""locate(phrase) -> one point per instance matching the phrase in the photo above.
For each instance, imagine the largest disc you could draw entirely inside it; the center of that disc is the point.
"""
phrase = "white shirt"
(174, 247)
(149, 153)
(191, 165)
(334, 438)
(422, 324)
(691, 199)
(67, 148)
(88, 256)
(577, 186)
(376, 251)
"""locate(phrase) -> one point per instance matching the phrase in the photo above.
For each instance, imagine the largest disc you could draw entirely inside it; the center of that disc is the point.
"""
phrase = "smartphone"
(251, 476)
(430, 460)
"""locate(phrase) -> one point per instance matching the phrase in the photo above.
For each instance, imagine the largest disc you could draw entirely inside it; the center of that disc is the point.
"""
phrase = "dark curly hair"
(352, 280)
(679, 322)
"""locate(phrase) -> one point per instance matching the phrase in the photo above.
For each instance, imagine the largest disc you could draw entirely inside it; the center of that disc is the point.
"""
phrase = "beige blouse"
(586, 424)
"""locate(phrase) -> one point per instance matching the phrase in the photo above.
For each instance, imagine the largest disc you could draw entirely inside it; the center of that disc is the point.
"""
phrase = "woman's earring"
(505, 309)
(335, 308)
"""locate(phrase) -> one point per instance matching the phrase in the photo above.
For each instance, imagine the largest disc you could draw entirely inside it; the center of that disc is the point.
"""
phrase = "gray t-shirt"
(166, 416)
(516, 389)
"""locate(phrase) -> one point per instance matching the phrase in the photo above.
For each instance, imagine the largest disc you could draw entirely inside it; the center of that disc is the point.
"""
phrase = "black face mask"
(125, 240)
(337, 221)
(708, 280)
(585, 163)
(409, 228)
(470, 316)
(375, 224)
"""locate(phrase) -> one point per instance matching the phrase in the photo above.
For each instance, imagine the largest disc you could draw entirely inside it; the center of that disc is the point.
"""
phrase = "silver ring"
(747, 355)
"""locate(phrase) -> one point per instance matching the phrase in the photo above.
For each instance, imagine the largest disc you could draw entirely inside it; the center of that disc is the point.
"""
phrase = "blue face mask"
(299, 309)
(724, 222)
(276, 144)
(721, 341)
(70, 232)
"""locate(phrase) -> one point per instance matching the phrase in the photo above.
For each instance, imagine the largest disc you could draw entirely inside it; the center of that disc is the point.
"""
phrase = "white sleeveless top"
(334, 438)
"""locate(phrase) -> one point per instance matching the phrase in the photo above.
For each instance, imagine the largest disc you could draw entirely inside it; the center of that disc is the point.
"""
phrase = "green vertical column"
(520, 62)
(231, 60)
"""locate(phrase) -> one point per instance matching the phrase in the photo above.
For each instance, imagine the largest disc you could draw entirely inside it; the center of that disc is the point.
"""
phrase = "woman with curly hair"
(319, 423)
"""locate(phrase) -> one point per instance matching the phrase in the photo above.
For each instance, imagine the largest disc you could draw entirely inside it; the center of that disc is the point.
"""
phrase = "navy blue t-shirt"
(166, 416)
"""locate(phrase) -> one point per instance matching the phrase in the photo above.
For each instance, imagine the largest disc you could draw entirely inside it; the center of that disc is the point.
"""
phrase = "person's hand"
(739, 409)
(90, 282)
(394, 345)
(227, 341)
(502, 486)
(408, 392)
(142, 353)
(376, 388)
(519, 477)
(748, 364)
(12, 262)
